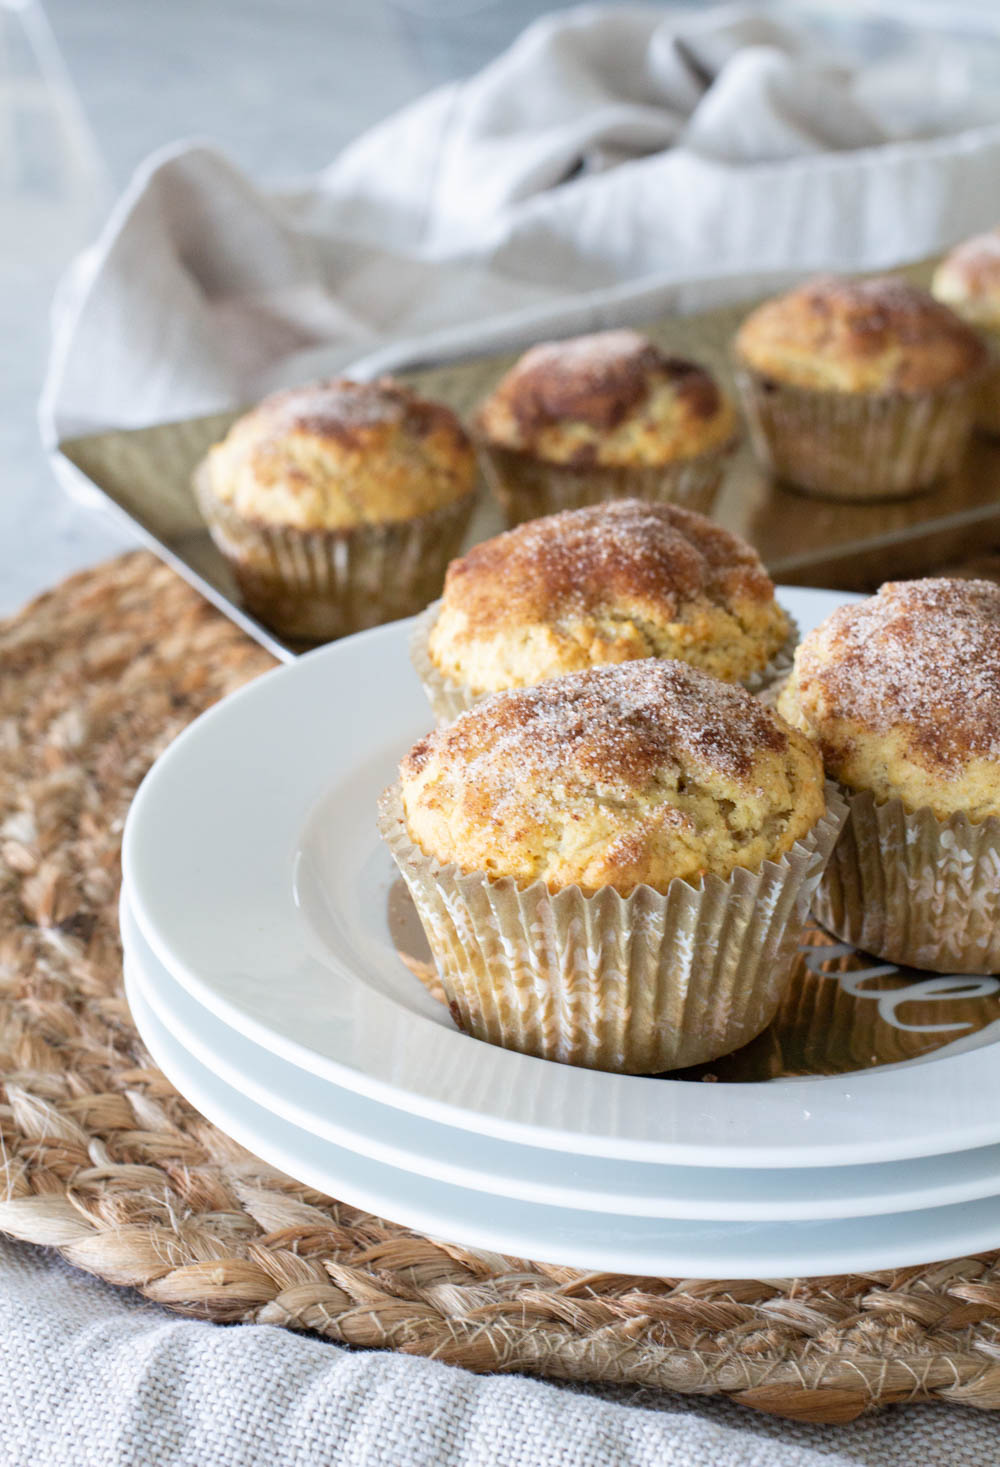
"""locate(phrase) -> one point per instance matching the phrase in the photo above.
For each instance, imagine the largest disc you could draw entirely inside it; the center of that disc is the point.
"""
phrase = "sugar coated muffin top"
(338, 454)
(968, 279)
(902, 694)
(608, 583)
(881, 335)
(620, 776)
(612, 398)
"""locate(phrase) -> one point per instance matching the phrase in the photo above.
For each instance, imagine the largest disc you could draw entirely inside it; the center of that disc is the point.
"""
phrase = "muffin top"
(334, 455)
(618, 776)
(968, 279)
(882, 336)
(612, 399)
(902, 694)
(609, 583)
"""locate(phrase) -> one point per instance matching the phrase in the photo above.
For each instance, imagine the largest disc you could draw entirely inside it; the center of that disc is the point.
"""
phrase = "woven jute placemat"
(105, 1162)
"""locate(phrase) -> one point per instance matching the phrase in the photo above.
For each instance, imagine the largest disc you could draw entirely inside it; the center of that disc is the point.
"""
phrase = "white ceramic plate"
(257, 876)
(528, 1173)
(578, 1239)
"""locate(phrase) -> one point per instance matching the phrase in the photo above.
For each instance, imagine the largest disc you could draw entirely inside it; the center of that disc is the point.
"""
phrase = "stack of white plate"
(265, 980)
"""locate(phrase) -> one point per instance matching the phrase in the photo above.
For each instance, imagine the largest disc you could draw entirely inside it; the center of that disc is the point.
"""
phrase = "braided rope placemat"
(105, 1162)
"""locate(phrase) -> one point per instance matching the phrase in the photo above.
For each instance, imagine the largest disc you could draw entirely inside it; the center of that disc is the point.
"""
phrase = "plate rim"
(569, 1243)
(160, 992)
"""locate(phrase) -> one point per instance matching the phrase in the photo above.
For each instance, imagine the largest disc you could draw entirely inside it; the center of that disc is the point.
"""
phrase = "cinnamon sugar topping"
(572, 563)
(921, 655)
(614, 727)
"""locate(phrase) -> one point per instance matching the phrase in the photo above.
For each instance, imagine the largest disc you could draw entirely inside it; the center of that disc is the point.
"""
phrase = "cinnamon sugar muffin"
(339, 504)
(858, 389)
(613, 867)
(607, 583)
(902, 695)
(600, 417)
(968, 280)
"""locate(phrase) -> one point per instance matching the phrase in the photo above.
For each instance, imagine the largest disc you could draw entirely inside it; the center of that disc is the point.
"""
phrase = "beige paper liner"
(915, 890)
(852, 446)
(637, 984)
(988, 395)
(528, 487)
(314, 585)
(448, 699)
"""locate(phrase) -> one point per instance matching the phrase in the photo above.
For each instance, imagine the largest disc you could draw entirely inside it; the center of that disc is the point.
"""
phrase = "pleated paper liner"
(988, 396)
(852, 446)
(843, 1010)
(314, 585)
(528, 487)
(915, 889)
(448, 699)
(635, 984)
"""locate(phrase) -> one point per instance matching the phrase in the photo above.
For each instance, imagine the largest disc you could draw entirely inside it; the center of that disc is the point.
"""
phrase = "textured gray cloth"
(94, 1377)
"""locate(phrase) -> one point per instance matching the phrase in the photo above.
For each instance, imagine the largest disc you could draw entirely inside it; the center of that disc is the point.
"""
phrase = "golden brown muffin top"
(881, 335)
(902, 693)
(337, 454)
(606, 583)
(968, 279)
(609, 398)
(619, 776)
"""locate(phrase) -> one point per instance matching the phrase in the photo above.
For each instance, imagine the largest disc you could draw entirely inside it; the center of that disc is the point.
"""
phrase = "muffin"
(968, 280)
(600, 417)
(858, 389)
(902, 695)
(607, 583)
(613, 867)
(339, 504)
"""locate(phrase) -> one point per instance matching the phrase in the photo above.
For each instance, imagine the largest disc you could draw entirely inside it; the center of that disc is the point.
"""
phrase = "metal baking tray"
(143, 475)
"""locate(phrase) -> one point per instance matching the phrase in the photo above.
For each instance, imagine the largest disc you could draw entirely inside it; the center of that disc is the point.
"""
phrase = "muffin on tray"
(339, 504)
(613, 867)
(968, 280)
(600, 417)
(608, 583)
(858, 389)
(902, 695)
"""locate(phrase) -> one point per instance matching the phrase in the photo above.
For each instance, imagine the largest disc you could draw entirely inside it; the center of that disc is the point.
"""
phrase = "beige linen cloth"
(613, 164)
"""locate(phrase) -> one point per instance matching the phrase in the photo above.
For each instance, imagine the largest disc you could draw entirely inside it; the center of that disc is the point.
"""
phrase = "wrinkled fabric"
(613, 163)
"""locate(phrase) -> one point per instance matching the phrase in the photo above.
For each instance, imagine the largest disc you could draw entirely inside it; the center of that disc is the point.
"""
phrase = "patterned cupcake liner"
(448, 699)
(637, 985)
(913, 889)
(853, 446)
(529, 487)
(314, 585)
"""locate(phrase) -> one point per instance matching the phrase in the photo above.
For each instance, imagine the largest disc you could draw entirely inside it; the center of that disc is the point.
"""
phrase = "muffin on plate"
(613, 867)
(600, 417)
(968, 280)
(902, 695)
(858, 389)
(339, 504)
(607, 583)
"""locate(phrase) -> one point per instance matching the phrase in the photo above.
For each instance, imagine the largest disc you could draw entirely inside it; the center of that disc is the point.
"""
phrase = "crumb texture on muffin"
(615, 777)
(881, 335)
(902, 694)
(611, 399)
(607, 583)
(338, 454)
(968, 279)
